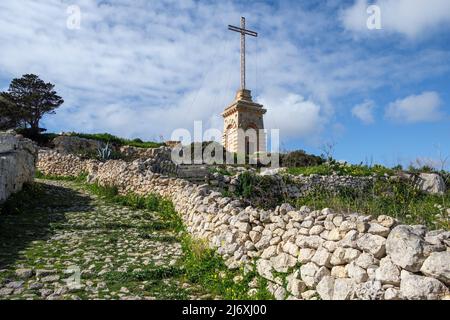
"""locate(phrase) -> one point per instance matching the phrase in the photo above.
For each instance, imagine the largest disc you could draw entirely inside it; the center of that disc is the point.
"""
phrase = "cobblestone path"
(72, 245)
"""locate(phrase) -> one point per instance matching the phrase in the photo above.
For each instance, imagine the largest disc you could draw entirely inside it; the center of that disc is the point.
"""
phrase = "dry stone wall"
(134, 153)
(54, 163)
(304, 254)
(69, 144)
(285, 186)
(76, 145)
(17, 163)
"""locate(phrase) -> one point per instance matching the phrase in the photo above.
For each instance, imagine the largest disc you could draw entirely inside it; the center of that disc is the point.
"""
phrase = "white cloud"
(145, 68)
(296, 117)
(355, 17)
(412, 18)
(425, 107)
(364, 112)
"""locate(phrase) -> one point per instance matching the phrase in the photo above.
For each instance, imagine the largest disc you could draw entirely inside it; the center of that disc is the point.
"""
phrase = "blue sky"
(145, 68)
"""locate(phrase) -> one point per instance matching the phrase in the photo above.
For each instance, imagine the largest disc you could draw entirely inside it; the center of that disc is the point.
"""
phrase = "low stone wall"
(320, 253)
(271, 188)
(54, 163)
(69, 144)
(76, 145)
(134, 153)
(17, 163)
(292, 187)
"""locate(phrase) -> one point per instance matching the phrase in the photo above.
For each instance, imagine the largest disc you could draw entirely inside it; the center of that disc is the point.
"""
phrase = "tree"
(9, 116)
(32, 98)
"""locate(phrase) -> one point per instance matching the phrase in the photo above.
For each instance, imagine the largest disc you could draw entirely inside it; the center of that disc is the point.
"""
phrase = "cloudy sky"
(144, 68)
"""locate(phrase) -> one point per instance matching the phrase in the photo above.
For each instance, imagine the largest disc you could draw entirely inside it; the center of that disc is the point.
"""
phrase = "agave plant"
(104, 153)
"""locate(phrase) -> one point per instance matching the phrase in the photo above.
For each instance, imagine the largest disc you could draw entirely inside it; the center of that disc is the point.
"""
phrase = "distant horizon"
(144, 69)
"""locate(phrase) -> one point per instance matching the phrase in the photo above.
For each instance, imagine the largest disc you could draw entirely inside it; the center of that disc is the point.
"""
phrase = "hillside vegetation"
(45, 139)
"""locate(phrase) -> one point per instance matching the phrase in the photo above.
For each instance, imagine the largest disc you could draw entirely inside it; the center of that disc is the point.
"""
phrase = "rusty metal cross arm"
(243, 31)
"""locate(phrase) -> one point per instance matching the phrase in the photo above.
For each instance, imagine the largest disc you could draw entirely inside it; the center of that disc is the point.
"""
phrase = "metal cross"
(243, 32)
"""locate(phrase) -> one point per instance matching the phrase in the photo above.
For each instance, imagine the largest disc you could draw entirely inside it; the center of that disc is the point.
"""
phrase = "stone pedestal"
(243, 120)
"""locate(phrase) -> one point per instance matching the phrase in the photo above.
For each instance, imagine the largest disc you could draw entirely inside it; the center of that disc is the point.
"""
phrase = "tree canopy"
(9, 117)
(27, 100)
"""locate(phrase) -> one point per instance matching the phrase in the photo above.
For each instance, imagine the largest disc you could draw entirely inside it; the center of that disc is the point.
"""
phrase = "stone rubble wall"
(298, 186)
(17, 163)
(291, 186)
(76, 145)
(320, 253)
(133, 153)
(54, 163)
(81, 146)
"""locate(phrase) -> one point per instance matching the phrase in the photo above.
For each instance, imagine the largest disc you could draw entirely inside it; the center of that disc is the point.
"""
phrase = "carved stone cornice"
(243, 102)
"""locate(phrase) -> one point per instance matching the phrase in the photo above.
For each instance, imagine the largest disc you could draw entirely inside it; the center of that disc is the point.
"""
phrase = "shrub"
(247, 182)
(299, 158)
(109, 138)
(221, 170)
(342, 169)
(42, 139)
(257, 190)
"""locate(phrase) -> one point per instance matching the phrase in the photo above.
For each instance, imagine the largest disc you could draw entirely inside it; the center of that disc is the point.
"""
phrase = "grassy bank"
(361, 170)
(45, 139)
(397, 198)
(342, 170)
(109, 138)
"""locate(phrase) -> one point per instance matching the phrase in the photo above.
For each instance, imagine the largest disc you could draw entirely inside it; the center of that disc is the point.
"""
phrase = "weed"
(398, 199)
(205, 267)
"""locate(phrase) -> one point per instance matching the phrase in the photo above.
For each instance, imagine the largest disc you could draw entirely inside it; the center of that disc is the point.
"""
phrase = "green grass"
(106, 137)
(256, 190)
(80, 178)
(397, 198)
(149, 273)
(221, 170)
(166, 290)
(44, 139)
(342, 170)
(393, 198)
(205, 267)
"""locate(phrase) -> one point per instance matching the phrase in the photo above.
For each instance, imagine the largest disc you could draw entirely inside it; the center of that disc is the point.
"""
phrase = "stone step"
(193, 173)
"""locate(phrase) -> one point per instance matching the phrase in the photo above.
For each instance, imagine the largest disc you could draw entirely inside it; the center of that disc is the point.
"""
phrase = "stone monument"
(243, 119)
